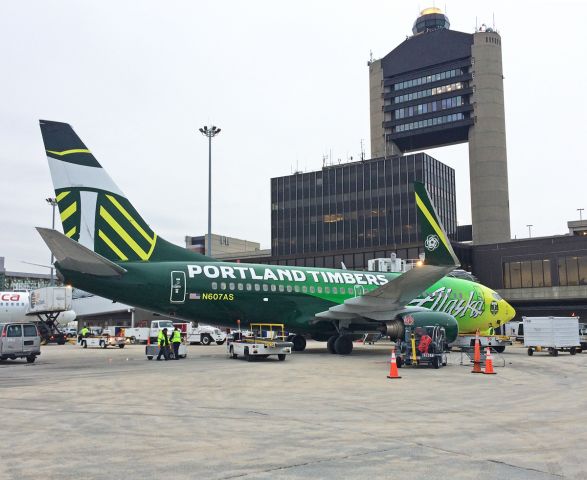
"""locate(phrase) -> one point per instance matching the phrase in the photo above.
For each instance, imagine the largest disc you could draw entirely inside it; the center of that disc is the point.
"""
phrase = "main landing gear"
(341, 344)
(299, 342)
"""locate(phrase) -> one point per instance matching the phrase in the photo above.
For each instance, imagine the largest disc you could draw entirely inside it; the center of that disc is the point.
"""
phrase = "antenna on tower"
(362, 150)
(493, 21)
(476, 27)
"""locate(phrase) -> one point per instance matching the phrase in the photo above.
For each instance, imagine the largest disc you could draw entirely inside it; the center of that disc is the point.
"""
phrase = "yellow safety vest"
(161, 339)
(84, 331)
(176, 338)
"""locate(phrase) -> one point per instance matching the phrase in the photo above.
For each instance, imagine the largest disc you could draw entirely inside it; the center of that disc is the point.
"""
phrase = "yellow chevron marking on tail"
(133, 222)
(433, 222)
(68, 212)
(62, 195)
(123, 234)
(69, 152)
(114, 248)
(71, 233)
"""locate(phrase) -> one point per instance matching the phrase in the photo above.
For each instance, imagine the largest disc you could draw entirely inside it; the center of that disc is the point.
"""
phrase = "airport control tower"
(441, 87)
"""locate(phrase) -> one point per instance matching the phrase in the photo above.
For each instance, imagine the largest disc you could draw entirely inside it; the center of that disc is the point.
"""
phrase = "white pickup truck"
(142, 334)
(203, 334)
(267, 339)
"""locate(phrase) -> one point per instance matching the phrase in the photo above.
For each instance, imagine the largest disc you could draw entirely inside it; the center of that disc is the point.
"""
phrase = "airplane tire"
(299, 343)
(343, 345)
(330, 344)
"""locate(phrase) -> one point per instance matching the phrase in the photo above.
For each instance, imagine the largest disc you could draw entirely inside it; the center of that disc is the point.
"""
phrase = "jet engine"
(395, 328)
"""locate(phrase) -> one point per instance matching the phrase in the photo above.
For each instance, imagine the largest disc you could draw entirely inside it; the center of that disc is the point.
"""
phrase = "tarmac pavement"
(104, 414)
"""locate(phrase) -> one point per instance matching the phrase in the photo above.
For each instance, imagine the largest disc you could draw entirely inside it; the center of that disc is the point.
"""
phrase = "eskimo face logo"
(431, 243)
(494, 308)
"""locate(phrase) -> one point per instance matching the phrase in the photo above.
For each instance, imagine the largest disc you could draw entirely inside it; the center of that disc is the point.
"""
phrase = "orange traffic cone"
(477, 355)
(393, 373)
(149, 339)
(489, 363)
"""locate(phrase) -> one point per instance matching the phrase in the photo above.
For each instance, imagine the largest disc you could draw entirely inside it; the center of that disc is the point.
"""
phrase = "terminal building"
(356, 211)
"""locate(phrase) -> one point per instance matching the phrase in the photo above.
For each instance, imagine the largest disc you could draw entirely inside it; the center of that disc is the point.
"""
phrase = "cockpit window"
(496, 296)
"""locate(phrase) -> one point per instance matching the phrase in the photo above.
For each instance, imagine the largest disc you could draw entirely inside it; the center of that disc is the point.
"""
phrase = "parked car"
(70, 332)
(19, 340)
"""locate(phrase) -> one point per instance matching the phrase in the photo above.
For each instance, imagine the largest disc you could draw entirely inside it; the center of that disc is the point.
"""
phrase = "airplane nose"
(510, 312)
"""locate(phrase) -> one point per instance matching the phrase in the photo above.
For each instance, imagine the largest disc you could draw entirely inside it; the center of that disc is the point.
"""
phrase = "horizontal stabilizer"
(71, 255)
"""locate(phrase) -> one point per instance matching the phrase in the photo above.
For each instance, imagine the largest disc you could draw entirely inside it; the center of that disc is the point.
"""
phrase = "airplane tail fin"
(94, 211)
(437, 246)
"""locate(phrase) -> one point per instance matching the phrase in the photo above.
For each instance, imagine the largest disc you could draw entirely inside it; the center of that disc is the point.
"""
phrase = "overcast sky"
(287, 81)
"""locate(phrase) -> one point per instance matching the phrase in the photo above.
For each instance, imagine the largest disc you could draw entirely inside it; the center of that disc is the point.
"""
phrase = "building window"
(572, 271)
(527, 274)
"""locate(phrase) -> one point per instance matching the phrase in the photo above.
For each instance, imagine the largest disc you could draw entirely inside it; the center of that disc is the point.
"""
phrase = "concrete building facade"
(441, 87)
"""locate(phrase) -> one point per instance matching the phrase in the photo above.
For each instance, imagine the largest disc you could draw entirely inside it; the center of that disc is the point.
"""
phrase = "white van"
(18, 340)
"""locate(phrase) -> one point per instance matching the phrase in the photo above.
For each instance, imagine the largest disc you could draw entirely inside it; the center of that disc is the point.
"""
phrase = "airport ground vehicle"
(19, 340)
(142, 334)
(152, 350)
(267, 339)
(70, 332)
(203, 334)
(103, 341)
(422, 346)
(583, 335)
(554, 334)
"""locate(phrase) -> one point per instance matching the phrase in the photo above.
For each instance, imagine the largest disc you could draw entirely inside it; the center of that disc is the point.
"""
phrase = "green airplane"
(109, 250)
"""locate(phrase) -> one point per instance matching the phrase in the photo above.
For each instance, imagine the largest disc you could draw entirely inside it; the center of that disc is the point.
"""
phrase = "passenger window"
(257, 287)
(231, 286)
(14, 331)
(249, 287)
(265, 287)
(281, 289)
(222, 286)
(214, 286)
(304, 289)
(30, 331)
(289, 288)
(240, 286)
(273, 288)
(296, 288)
(312, 289)
(327, 289)
(319, 289)
(342, 291)
(334, 290)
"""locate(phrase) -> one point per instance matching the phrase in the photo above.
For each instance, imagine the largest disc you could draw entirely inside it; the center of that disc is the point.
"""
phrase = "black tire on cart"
(31, 359)
(84, 344)
(149, 357)
(220, 343)
(231, 352)
(399, 362)
(436, 362)
(573, 351)
(299, 343)
(499, 349)
(248, 357)
(103, 344)
(281, 356)
(530, 351)
(330, 343)
(206, 340)
(133, 340)
(121, 345)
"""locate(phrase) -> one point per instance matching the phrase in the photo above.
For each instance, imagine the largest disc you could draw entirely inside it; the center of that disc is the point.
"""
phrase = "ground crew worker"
(84, 332)
(176, 341)
(163, 341)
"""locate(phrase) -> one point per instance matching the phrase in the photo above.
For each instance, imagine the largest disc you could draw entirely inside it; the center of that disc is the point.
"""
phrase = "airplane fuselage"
(222, 293)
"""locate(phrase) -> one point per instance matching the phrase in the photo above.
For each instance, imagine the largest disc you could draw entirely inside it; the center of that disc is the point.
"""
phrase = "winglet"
(72, 255)
(437, 246)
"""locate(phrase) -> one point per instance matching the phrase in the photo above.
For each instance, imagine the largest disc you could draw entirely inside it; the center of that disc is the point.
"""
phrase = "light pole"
(580, 213)
(53, 203)
(209, 132)
(530, 230)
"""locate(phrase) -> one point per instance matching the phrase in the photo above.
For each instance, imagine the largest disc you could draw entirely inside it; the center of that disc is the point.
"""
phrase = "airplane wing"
(388, 300)
(72, 255)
